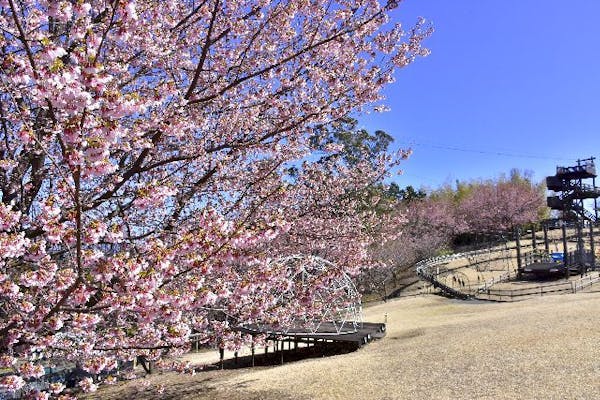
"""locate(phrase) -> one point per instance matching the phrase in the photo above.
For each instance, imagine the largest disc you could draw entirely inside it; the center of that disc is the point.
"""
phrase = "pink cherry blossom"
(7, 361)
(56, 387)
(29, 370)
(11, 382)
(37, 395)
(87, 385)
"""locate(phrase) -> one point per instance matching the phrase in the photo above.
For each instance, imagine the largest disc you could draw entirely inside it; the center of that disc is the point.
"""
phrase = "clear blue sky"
(508, 84)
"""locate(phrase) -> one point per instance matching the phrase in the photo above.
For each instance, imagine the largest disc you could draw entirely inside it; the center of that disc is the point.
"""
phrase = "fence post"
(546, 244)
(518, 238)
(592, 249)
(565, 250)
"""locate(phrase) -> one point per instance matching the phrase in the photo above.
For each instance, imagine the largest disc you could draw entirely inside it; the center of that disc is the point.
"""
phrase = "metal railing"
(487, 292)
(541, 290)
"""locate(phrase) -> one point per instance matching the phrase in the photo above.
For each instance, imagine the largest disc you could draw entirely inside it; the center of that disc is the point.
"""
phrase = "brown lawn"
(436, 348)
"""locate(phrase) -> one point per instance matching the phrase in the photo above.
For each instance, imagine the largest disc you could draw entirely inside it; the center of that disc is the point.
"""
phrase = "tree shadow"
(279, 357)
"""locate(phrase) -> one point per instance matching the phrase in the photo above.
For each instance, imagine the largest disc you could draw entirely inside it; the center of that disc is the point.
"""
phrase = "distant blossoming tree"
(426, 227)
(432, 223)
(500, 206)
(144, 152)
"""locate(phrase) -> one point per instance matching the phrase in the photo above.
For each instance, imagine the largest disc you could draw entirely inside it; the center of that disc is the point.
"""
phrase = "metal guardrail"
(558, 288)
(498, 279)
(423, 271)
(485, 291)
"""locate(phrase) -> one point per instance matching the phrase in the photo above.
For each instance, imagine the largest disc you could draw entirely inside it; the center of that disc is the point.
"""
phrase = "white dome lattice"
(331, 291)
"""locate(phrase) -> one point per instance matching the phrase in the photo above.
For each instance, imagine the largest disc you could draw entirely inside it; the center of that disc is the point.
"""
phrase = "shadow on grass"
(262, 359)
(210, 382)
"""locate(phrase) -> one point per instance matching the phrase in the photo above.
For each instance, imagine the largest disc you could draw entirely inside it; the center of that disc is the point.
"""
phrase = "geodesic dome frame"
(329, 288)
(342, 308)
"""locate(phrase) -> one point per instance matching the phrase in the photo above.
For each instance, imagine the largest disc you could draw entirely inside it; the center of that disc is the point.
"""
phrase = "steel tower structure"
(572, 190)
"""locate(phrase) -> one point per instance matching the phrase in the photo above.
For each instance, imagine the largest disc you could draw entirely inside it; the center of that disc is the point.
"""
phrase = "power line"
(490, 152)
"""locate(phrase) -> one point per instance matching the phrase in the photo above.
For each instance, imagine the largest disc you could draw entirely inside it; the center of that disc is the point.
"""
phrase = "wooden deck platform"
(327, 331)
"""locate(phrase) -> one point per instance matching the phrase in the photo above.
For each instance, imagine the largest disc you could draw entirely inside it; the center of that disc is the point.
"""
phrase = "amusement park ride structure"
(571, 188)
(571, 191)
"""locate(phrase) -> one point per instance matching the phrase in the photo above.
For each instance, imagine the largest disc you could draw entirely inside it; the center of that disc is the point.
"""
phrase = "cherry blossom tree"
(145, 154)
(427, 227)
(501, 206)
(364, 202)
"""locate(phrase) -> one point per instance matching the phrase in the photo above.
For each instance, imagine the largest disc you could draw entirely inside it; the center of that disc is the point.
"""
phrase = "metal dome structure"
(325, 297)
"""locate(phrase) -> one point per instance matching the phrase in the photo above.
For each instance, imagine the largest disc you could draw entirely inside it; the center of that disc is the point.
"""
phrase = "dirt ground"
(435, 348)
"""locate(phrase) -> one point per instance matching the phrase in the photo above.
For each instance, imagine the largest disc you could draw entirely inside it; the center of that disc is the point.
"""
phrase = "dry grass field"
(435, 348)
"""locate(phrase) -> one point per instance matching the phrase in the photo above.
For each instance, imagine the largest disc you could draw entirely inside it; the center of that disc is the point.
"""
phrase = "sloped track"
(447, 290)
(427, 271)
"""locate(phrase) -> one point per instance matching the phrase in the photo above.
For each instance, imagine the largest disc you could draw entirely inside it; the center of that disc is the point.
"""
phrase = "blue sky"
(508, 84)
